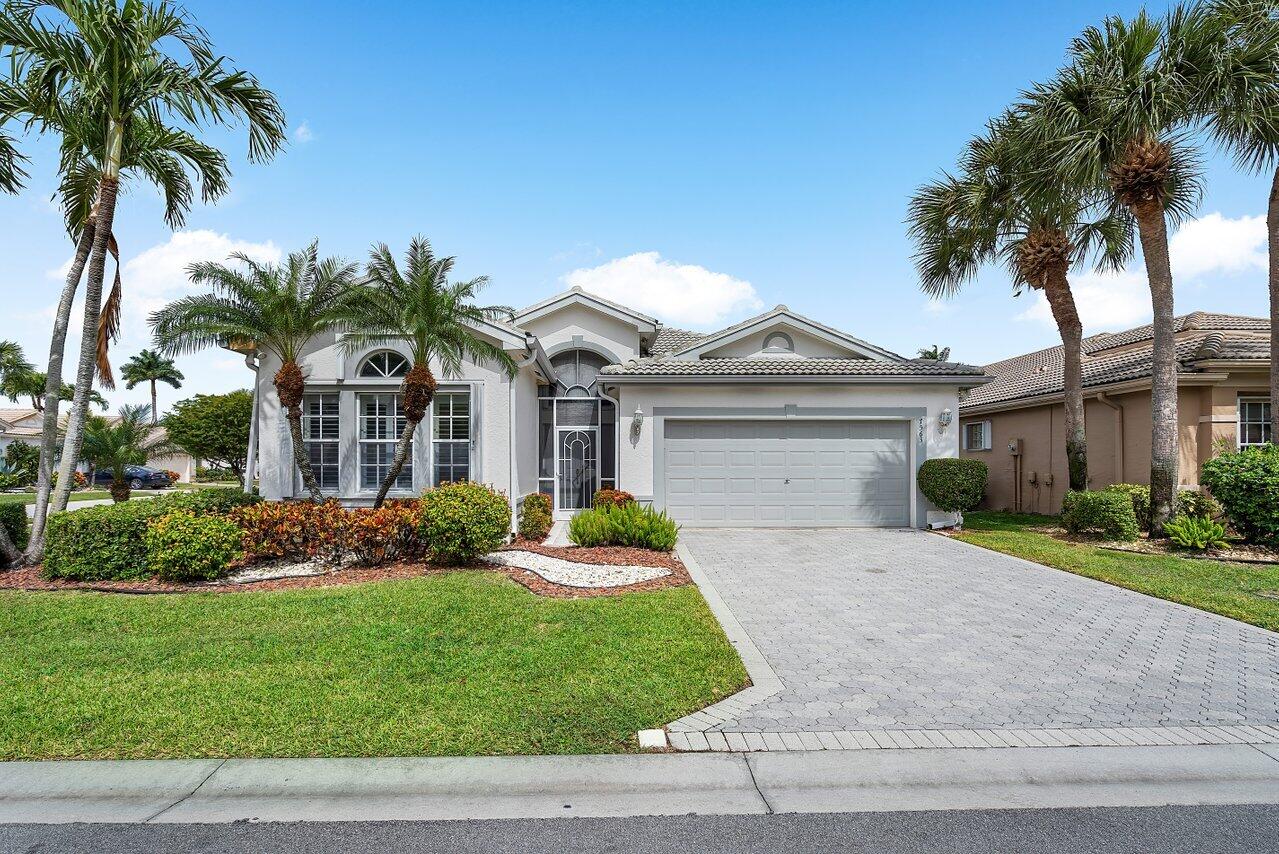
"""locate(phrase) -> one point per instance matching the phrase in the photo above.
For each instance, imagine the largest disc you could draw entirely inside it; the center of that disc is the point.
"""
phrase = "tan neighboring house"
(26, 424)
(1016, 425)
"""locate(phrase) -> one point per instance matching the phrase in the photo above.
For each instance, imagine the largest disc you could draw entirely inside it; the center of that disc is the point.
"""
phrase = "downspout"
(251, 456)
(1105, 399)
(510, 437)
(617, 438)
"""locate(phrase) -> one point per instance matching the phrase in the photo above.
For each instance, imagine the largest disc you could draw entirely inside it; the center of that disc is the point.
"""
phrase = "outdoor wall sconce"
(943, 420)
(637, 423)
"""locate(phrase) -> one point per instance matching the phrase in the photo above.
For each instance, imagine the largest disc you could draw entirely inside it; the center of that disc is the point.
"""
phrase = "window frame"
(383, 373)
(334, 442)
(436, 418)
(397, 419)
(1264, 422)
(986, 442)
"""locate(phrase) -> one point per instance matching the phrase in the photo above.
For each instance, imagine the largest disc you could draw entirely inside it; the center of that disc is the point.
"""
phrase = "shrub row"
(623, 525)
(1189, 502)
(1109, 513)
(109, 541)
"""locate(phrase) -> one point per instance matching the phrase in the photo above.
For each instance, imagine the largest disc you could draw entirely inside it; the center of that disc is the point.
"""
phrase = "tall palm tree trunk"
(1272, 229)
(1062, 303)
(419, 390)
(85, 372)
(289, 387)
(53, 391)
(1152, 226)
(155, 413)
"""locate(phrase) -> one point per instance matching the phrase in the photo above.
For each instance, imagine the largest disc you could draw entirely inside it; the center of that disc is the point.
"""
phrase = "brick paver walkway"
(904, 630)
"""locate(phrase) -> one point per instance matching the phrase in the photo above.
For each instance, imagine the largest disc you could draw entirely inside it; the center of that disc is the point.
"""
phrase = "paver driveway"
(900, 629)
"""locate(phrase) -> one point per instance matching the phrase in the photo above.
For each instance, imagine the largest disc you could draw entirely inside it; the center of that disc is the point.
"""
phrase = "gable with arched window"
(383, 364)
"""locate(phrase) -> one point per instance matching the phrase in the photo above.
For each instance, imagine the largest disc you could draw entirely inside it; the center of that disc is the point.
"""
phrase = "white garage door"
(787, 473)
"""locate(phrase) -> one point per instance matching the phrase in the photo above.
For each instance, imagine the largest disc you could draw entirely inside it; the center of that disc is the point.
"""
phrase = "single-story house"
(27, 424)
(776, 421)
(1016, 423)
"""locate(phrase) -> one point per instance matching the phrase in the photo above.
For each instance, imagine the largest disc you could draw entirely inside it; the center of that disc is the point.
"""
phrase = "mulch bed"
(28, 578)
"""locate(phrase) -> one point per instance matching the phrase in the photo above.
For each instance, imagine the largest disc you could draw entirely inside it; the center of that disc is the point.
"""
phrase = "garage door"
(787, 473)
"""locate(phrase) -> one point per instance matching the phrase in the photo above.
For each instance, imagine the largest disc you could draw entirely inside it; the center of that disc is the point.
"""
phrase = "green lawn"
(1230, 589)
(463, 663)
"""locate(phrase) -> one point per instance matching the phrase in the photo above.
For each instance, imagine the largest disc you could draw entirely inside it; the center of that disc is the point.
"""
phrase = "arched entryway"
(578, 432)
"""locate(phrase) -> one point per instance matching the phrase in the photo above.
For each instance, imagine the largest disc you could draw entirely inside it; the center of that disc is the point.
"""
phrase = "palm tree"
(13, 362)
(934, 353)
(128, 440)
(150, 367)
(1115, 121)
(103, 70)
(433, 316)
(31, 385)
(991, 212)
(278, 309)
(1240, 107)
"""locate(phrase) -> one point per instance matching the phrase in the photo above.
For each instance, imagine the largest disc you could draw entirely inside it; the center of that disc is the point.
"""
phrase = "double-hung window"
(451, 437)
(320, 436)
(381, 421)
(1254, 421)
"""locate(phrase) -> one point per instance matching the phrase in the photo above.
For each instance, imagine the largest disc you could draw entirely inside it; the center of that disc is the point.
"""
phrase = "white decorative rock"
(572, 574)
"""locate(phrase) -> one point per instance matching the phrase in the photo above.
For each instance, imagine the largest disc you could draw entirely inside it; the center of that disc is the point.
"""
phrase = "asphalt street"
(1131, 830)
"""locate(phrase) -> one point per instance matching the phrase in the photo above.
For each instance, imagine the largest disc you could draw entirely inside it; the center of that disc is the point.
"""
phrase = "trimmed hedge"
(535, 517)
(182, 546)
(953, 484)
(1247, 485)
(14, 519)
(624, 525)
(1189, 502)
(462, 521)
(108, 542)
(1107, 513)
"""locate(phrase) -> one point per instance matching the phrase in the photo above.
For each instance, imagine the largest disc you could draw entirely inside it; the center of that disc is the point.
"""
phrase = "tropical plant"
(97, 72)
(277, 309)
(934, 353)
(433, 317)
(623, 525)
(215, 428)
(32, 384)
(993, 211)
(1115, 122)
(118, 443)
(22, 460)
(150, 367)
(1196, 533)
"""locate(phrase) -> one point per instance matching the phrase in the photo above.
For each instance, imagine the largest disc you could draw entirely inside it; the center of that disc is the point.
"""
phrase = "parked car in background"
(139, 477)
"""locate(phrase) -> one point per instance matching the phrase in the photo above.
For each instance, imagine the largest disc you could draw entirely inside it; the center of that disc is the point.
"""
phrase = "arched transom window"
(384, 364)
(779, 342)
(575, 372)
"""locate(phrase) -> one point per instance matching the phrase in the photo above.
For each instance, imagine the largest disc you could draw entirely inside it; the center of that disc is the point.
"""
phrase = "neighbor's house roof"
(909, 369)
(1109, 358)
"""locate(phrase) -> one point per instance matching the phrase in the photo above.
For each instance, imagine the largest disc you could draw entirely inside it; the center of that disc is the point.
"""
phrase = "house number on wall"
(921, 429)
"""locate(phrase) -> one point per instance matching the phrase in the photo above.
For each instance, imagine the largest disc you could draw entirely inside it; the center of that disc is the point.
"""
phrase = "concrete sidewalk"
(665, 784)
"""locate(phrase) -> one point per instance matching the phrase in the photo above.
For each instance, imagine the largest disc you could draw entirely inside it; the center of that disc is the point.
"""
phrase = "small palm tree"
(99, 72)
(992, 212)
(151, 367)
(934, 353)
(278, 309)
(128, 440)
(436, 318)
(1115, 121)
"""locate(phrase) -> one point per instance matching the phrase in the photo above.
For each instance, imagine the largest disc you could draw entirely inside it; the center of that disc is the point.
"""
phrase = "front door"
(577, 468)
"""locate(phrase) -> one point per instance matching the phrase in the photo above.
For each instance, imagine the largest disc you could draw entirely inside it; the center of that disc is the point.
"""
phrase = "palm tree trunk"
(155, 413)
(88, 341)
(1164, 447)
(289, 388)
(9, 554)
(397, 463)
(53, 392)
(1062, 303)
(1272, 228)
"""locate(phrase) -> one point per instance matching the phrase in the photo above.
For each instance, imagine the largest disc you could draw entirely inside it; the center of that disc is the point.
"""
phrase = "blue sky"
(746, 153)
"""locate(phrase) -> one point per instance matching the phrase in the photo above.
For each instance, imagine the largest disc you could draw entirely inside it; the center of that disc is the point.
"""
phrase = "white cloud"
(1210, 245)
(679, 293)
(938, 306)
(303, 134)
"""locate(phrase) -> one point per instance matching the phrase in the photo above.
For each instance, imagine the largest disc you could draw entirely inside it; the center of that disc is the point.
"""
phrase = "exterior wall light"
(637, 423)
(943, 420)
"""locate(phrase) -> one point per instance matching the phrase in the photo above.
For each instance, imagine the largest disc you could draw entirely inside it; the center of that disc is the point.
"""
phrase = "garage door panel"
(787, 473)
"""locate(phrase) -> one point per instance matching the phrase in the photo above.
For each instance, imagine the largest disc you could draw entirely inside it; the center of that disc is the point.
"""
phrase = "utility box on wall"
(1015, 447)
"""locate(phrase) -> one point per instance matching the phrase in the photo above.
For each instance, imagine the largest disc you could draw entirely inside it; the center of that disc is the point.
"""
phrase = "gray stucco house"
(775, 421)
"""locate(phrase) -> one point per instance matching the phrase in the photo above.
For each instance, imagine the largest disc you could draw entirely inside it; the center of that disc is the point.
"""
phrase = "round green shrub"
(535, 517)
(182, 546)
(462, 521)
(1139, 494)
(1107, 513)
(1200, 505)
(953, 484)
(1247, 485)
